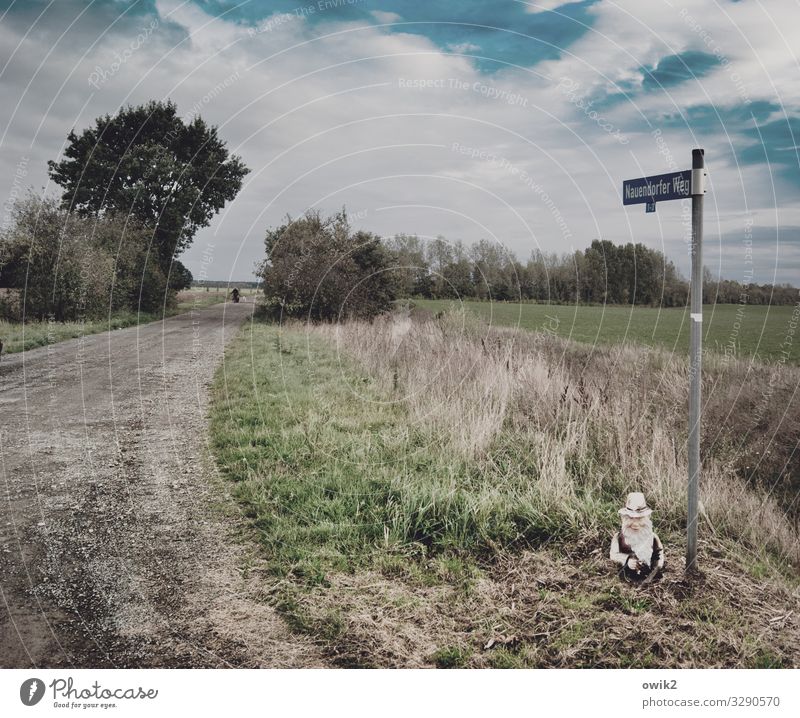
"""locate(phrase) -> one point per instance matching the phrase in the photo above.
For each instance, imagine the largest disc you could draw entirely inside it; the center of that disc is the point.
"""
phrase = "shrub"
(67, 267)
(319, 269)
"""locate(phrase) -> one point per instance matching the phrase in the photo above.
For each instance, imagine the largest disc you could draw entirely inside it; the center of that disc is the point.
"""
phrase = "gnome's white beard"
(639, 539)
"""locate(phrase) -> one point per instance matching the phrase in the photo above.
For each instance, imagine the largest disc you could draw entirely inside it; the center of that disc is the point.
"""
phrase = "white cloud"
(385, 17)
(339, 113)
(535, 6)
(463, 47)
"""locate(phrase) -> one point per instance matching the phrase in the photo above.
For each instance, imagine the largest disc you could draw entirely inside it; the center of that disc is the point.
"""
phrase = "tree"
(412, 266)
(493, 272)
(147, 162)
(59, 273)
(318, 269)
(68, 267)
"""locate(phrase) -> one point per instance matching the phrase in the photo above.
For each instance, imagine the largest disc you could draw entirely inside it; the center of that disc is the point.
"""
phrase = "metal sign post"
(695, 353)
(648, 191)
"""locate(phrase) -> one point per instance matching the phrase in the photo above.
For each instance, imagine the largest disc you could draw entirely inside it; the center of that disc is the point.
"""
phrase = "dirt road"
(118, 546)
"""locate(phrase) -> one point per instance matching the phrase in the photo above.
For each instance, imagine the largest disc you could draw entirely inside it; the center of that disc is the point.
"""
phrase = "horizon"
(523, 260)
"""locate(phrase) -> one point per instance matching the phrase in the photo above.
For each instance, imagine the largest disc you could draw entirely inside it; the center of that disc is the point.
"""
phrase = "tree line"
(137, 186)
(603, 273)
(319, 268)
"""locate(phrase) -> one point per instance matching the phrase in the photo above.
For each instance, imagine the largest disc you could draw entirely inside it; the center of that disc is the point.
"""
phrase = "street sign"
(658, 188)
(648, 191)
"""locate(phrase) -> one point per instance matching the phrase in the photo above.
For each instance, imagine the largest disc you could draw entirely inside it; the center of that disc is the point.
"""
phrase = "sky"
(511, 121)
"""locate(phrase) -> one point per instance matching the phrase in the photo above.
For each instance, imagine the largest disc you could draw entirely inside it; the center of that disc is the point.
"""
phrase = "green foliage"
(66, 267)
(451, 657)
(316, 268)
(283, 413)
(507, 659)
(388, 543)
(603, 273)
(148, 163)
(179, 277)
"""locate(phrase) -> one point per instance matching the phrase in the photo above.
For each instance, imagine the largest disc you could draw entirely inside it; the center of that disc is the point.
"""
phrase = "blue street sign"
(675, 185)
(650, 207)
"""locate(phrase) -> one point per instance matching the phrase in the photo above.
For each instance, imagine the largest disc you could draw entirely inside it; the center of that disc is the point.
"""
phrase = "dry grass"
(545, 608)
(585, 420)
(434, 493)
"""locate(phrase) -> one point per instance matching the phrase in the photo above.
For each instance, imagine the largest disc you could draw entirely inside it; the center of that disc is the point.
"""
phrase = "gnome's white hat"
(636, 506)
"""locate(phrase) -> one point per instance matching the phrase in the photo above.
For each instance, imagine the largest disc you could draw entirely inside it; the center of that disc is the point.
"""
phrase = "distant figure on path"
(636, 547)
(235, 295)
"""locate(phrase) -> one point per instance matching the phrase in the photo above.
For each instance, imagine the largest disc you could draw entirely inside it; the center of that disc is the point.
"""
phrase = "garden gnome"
(635, 546)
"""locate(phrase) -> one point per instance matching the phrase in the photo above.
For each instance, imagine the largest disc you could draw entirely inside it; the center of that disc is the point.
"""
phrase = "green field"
(744, 331)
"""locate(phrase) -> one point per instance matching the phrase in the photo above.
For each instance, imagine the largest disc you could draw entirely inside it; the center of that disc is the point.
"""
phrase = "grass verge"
(395, 543)
(30, 335)
(17, 337)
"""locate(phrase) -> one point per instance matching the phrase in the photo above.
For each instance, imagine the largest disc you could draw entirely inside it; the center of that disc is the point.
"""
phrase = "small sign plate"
(650, 207)
(644, 190)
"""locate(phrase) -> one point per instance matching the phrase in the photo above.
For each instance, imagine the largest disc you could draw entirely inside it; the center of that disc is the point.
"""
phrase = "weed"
(451, 657)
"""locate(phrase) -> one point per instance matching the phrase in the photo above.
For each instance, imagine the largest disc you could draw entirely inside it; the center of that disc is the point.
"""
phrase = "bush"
(68, 268)
(319, 269)
(9, 306)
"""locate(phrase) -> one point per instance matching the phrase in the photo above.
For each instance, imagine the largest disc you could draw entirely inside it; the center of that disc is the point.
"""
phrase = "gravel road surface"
(118, 544)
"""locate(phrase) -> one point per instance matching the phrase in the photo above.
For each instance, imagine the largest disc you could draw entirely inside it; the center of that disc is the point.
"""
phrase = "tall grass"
(555, 435)
(393, 469)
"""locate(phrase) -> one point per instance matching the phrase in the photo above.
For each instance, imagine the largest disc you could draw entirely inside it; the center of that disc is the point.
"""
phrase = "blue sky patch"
(496, 33)
(674, 69)
(706, 119)
(776, 142)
